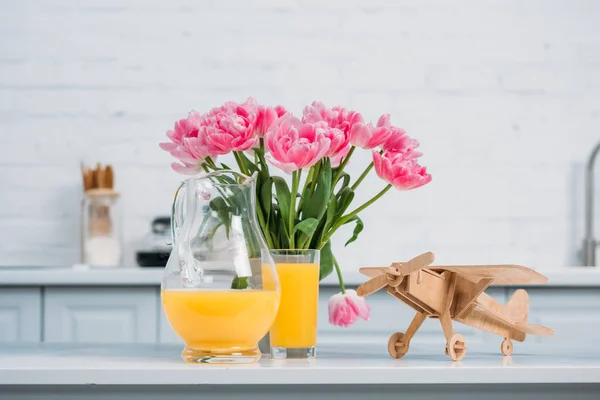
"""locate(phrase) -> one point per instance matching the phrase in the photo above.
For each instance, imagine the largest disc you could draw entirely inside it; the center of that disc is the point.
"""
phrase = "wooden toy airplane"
(456, 293)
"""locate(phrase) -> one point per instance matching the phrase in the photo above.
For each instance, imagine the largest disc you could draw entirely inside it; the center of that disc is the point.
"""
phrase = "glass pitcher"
(219, 291)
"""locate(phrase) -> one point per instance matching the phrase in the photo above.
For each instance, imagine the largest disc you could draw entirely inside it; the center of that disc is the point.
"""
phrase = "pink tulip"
(339, 143)
(336, 117)
(265, 116)
(229, 129)
(281, 111)
(368, 136)
(398, 170)
(293, 145)
(345, 309)
(179, 146)
(400, 142)
(340, 122)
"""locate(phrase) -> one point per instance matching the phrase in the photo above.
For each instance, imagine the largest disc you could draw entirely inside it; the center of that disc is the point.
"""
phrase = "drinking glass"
(294, 332)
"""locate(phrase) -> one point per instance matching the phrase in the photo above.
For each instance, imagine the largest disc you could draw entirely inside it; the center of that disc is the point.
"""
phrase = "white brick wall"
(503, 95)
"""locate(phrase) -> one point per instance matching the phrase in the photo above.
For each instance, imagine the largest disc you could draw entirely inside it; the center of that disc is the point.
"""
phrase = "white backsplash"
(503, 96)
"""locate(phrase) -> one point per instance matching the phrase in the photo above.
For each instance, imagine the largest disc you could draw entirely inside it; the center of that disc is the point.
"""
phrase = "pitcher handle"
(174, 217)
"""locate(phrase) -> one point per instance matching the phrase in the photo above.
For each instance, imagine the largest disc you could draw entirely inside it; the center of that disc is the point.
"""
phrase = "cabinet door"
(100, 315)
(20, 315)
(573, 314)
(389, 315)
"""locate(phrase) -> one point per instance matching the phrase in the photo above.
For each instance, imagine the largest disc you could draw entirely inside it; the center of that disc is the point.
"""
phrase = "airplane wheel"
(506, 347)
(456, 347)
(397, 347)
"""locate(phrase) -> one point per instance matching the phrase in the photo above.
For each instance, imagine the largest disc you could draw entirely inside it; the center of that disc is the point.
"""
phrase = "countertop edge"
(297, 376)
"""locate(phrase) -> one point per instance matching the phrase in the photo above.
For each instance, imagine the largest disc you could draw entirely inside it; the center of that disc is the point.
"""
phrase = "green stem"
(240, 163)
(347, 217)
(263, 225)
(316, 173)
(362, 176)
(341, 168)
(210, 162)
(292, 216)
(339, 274)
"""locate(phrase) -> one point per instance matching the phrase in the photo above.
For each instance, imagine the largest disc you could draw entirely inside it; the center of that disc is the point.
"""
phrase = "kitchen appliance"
(155, 248)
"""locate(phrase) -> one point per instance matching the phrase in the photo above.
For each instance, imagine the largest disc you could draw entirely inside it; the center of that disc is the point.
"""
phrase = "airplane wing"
(535, 329)
(372, 272)
(525, 328)
(502, 274)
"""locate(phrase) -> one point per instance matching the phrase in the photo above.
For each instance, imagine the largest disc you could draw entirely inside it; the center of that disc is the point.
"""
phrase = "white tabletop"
(344, 364)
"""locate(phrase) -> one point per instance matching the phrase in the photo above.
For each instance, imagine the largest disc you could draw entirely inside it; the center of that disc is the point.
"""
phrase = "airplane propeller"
(393, 274)
(417, 263)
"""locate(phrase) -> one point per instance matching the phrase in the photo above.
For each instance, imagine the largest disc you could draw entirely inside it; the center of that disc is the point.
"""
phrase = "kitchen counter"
(348, 370)
(136, 276)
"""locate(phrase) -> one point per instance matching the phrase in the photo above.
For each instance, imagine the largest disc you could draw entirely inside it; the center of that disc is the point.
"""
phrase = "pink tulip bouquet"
(315, 149)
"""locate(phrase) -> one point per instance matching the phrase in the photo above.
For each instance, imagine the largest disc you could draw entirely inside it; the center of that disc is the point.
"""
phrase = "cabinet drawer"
(20, 315)
(100, 315)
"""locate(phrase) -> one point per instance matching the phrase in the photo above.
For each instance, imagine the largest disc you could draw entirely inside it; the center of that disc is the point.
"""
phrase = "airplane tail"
(517, 307)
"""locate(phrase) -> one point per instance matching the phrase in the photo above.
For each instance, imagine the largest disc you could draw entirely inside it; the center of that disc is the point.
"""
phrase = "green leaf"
(357, 229)
(239, 283)
(266, 197)
(326, 267)
(225, 166)
(329, 217)
(283, 197)
(222, 209)
(247, 163)
(307, 229)
(274, 223)
(226, 179)
(308, 226)
(316, 205)
(345, 197)
(345, 180)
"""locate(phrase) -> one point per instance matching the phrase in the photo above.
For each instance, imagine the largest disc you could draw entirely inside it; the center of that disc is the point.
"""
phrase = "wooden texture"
(431, 290)
(456, 293)
(502, 274)
(517, 307)
(420, 261)
(467, 294)
(414, 326)
(372, 285)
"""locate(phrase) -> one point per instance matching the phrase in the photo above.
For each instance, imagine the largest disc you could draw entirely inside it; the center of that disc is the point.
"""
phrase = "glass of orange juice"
(294, 332)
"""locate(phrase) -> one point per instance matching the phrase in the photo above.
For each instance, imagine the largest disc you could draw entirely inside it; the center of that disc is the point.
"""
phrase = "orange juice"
(220, 319)
(296, 322)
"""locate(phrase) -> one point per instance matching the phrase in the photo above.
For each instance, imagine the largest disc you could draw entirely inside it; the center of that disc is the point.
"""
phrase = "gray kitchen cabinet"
(20, 315)
(573, 314)
(100, 315)
(389, 315)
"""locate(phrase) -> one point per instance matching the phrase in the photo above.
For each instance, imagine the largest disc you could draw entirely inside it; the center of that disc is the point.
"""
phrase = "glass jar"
(101, 225)
(220, 290)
